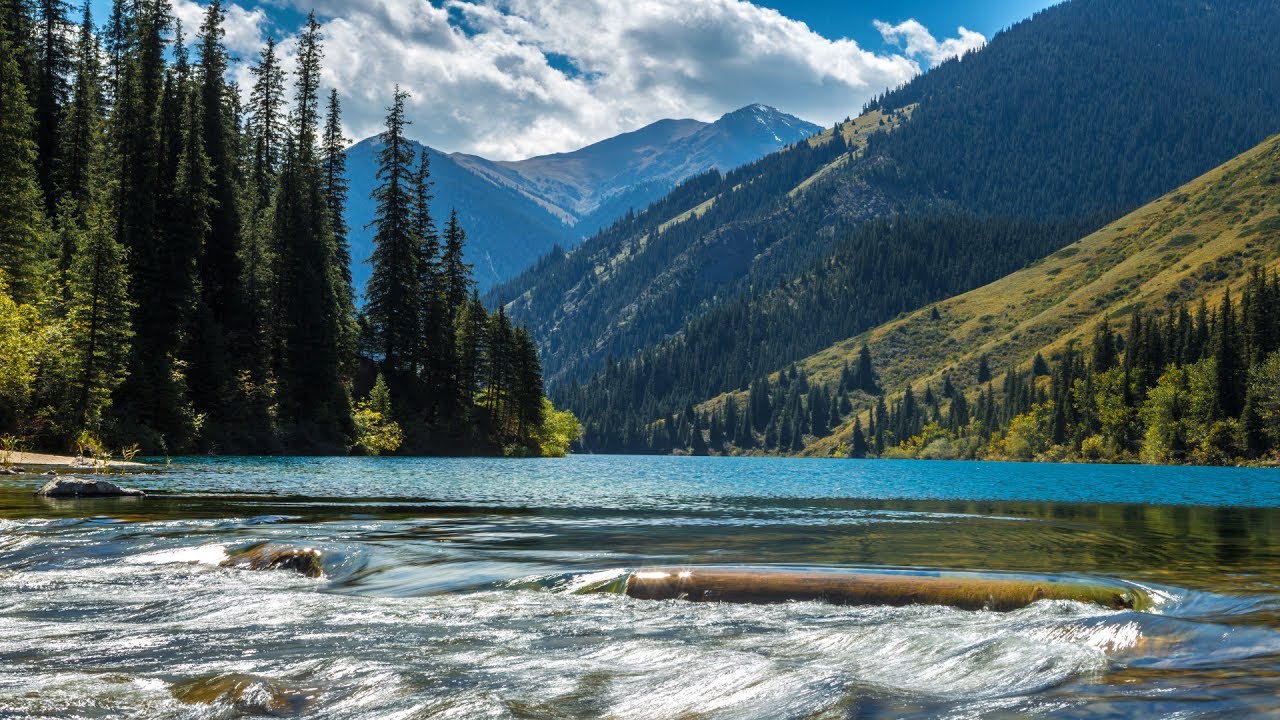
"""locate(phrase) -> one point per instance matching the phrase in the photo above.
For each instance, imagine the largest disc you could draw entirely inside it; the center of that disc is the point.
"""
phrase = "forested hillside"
(175, 269)
(1154, 338)
(1085, 89)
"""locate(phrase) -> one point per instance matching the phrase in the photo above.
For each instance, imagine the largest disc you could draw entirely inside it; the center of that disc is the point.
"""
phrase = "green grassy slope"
(1193, 243)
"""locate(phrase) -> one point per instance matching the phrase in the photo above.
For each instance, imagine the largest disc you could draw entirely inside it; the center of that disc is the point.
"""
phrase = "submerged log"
(969, 591)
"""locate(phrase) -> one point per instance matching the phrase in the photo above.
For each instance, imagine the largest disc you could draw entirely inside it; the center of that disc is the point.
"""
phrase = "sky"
(508, 79)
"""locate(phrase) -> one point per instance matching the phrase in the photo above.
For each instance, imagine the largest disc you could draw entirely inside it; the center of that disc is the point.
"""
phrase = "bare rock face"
(73, 487)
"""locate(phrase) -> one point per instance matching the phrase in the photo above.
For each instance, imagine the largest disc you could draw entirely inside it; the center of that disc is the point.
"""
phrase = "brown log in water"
(970, 591)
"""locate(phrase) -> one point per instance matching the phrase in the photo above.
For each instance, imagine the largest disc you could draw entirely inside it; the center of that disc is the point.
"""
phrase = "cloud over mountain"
(515, 78)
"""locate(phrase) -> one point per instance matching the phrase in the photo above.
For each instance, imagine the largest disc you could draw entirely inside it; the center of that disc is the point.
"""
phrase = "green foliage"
(22, 343)
(377, 432)
(557, 432)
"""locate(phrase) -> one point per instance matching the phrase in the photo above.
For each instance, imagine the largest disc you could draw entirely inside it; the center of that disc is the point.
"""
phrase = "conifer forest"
(175, 275)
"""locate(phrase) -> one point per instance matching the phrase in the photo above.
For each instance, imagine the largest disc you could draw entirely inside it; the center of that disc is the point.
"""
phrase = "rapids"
(488, 588)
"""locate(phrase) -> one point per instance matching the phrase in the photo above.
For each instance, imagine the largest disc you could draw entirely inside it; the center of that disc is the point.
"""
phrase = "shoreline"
(46, 460)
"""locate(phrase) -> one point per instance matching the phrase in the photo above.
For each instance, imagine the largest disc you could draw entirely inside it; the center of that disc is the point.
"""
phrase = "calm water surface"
(465, 589)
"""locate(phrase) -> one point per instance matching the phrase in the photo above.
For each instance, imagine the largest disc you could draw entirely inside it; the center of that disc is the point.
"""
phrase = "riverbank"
(45, 460)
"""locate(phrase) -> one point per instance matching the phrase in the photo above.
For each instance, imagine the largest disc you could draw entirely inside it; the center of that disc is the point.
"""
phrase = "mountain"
(1193, 244)
(505, 229)
(596, 185)
(516, 211)
(980, 166)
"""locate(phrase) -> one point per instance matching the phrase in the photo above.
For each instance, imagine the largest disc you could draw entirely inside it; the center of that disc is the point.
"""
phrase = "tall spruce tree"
(456, 271)
(83, 128)
(437, 348)
(333, 148)
(219, 329)
(527, 381)
(148, 133)
(266, 124)
(97, 315)
(315, 409)
(393, 298)
(51, 94)
(265, 130)
(22, 220)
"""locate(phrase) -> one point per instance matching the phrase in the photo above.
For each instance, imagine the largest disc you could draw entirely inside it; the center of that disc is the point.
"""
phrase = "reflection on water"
(457, 589)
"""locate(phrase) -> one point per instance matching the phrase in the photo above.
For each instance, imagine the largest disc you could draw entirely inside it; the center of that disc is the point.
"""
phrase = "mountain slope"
(514, 212)
(1087, 89)
(1192, 244)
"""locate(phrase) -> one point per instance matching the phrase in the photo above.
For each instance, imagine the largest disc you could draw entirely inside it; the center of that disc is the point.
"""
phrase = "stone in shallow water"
(72, 487)
(245, 694)
(304, 561)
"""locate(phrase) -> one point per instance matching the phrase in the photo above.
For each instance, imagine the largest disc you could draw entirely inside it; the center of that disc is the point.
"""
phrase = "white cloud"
(921, 42)
(490, 76)
(242, 28)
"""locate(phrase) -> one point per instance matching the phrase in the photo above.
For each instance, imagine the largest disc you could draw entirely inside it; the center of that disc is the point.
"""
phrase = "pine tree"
(315, 409)
(83, 126)
(221, 334)
(17, 25)
(333, 148)
(22, 221)
(527, 384)
(471, 343)
(266, 125)
(864, 374)
(395, 290)
(118, 36)
(499, 352)
(50, 96)
(858, 444)
(437, 356)
(984, 369)
(97, 318)
(457, 273)
(265, 130)
(1229, 368)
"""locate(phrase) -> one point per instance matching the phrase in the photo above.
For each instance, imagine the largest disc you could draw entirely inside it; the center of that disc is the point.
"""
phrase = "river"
(466, 589)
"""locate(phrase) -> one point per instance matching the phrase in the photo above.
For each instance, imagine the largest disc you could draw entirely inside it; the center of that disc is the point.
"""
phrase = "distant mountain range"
(516, 211)
(984, 164)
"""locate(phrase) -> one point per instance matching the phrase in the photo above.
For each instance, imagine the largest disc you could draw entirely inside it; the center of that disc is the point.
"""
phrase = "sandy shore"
(68, 461)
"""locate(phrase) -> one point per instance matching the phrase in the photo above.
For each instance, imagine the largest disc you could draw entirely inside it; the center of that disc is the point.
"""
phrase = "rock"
(8, 471)
(304, 561)
(52, 473)
(246, 694)
(72, 487)
(18, 470)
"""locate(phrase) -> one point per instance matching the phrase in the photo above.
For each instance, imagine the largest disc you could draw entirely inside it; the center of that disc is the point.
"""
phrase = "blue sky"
(514, 78)
(853, 18)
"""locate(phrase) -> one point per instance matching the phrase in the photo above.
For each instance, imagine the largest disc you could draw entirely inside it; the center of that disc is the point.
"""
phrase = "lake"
(459, 588)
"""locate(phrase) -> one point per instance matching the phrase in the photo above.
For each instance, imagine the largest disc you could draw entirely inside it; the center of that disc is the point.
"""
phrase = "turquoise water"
(455, 588)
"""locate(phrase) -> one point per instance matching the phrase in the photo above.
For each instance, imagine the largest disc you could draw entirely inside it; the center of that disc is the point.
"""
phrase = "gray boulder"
(72, 487)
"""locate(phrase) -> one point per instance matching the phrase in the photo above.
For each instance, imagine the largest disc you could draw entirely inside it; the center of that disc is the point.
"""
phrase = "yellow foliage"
(21, 342)
(559, 430)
